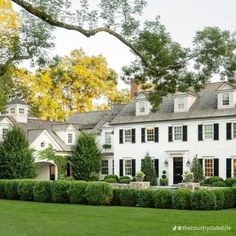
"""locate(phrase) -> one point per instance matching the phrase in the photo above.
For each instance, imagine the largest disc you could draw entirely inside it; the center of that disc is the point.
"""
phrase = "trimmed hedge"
(162, 198)
(110, 180)
(76, 192)
(116, 197)
(234, 192)
(220, 198)
(219, 184)
(10, 188)
(230, 181)
(59, 191)
(43, 191)
(112, 177)
(98, 193)
(181, 199)
(2, 191)
(128, 197)
(211, 180)
(124, 180)
(25, 189)
(203, 200)
(145, 198)
(229, 198)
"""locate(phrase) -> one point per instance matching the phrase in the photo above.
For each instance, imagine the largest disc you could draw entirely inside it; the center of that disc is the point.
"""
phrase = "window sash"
(209, 167)
(150, 134)
(21, 111)
(107, 138)
(104, 167)
(128, 167)
(225, 99)
(178, 133)
(70, 138)
(12, 110)
(4, 133)
(128, 135)
(208, 131)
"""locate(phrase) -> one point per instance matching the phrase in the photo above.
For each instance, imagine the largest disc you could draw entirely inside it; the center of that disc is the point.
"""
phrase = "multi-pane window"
(21, 111)
(70, 138)
(208, 131)
(12, 110)
(178, 133)
(234, 130)
(181, 103)
(234, 167)
(104, 167)
(107, 138)
(4, 133)
(208, 167)
(128, 167)
(150, 134)
(128, 135)
(141, 107)
(225, 99)
(42, 144)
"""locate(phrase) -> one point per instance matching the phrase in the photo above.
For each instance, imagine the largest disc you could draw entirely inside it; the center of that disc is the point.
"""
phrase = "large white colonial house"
(190, 124)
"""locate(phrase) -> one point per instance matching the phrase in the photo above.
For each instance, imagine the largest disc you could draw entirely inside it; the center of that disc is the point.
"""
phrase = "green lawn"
(31, 218)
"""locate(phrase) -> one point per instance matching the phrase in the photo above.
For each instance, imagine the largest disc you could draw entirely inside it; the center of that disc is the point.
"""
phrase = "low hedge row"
(219, 182)
(101, 193)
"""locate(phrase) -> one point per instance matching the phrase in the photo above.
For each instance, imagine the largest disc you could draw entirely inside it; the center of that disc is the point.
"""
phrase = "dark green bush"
(10, 189)
(219, 184)
(181, 199)
(162, 198)
(115, 196)
(2, 191)
(110, 180)
(76, 192)
(229, 197)
(220, 198)
(203, 200)
(144, 198)
(98, 193)
(230, 181)
(234, 192)
(43, 191)
(25, 189)
(124, 180)
(112, 176)
(211, 180)
(128, 197)
(59, 191)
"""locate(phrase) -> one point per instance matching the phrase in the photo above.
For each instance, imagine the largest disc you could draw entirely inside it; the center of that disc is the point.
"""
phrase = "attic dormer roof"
(16, 101)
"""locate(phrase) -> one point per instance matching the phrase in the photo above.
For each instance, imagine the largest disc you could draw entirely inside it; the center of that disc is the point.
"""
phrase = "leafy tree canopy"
(159, 59)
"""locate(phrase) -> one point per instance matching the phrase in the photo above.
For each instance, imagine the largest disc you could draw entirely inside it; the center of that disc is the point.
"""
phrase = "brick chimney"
(135, 88)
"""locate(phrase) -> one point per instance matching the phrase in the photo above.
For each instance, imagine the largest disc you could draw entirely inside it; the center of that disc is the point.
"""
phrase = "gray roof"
(16, 101)
(205, 106)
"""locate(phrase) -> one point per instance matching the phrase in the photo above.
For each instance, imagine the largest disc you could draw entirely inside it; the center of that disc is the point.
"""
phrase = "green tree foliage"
(197, 170)
(159, 60)
(149, 170)
(16, 159)
(86, 157)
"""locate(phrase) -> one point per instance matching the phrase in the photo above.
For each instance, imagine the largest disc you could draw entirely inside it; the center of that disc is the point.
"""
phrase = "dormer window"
(142, 107)
(181, 103)
(70, 138)
(21, 111)
(12, 110)
(225, 99)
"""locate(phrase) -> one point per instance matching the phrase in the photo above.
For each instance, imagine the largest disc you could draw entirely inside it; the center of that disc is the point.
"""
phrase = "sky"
(182, 19)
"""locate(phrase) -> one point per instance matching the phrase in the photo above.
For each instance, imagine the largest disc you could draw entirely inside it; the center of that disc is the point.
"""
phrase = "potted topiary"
(163, 179)
(139, 176)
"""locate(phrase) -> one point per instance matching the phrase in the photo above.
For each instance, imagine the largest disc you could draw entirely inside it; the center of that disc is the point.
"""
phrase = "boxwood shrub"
(128, 197)
(115, 196)
(229, 197)
(124, 180)
(43, 191)
(203, 200)
(76, 192)
(59, 191)
(181, 199)
(211, 180)
(234, 192)
(110, 180)
(98, 193)
(220, 198)
(162, 198)
(25, 189)
(145, 198)
(230, 181)
(112, 177)
(2, 191)
(219, 184)
(10, 189)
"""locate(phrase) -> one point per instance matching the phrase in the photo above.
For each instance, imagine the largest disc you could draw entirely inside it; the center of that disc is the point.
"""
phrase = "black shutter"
(156, 134)
(156, 164)
(216, 131)
(133, 135)
(229, 131)
(216, 167)
(142, 163)
(121, 167)
(228, 167)
(200, 134)
(170, 131)
(143, 135)
(121, 138)
(133, 167)
(185, 133)
(201, 162)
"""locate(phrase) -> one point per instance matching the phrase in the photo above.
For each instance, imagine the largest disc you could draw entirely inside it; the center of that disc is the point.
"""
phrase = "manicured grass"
(31, 218)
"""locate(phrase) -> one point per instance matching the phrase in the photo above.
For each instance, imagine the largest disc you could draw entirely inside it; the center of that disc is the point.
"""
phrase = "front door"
(178, 169)
(52, 172)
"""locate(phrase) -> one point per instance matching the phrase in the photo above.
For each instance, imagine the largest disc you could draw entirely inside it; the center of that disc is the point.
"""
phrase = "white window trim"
(21, 109)
(130, 135)
(173, 135)
(146, 135)
(204, 136)
(107, 166)
(110, 138)
(228, 94)
(208, 158)
(127, 159)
